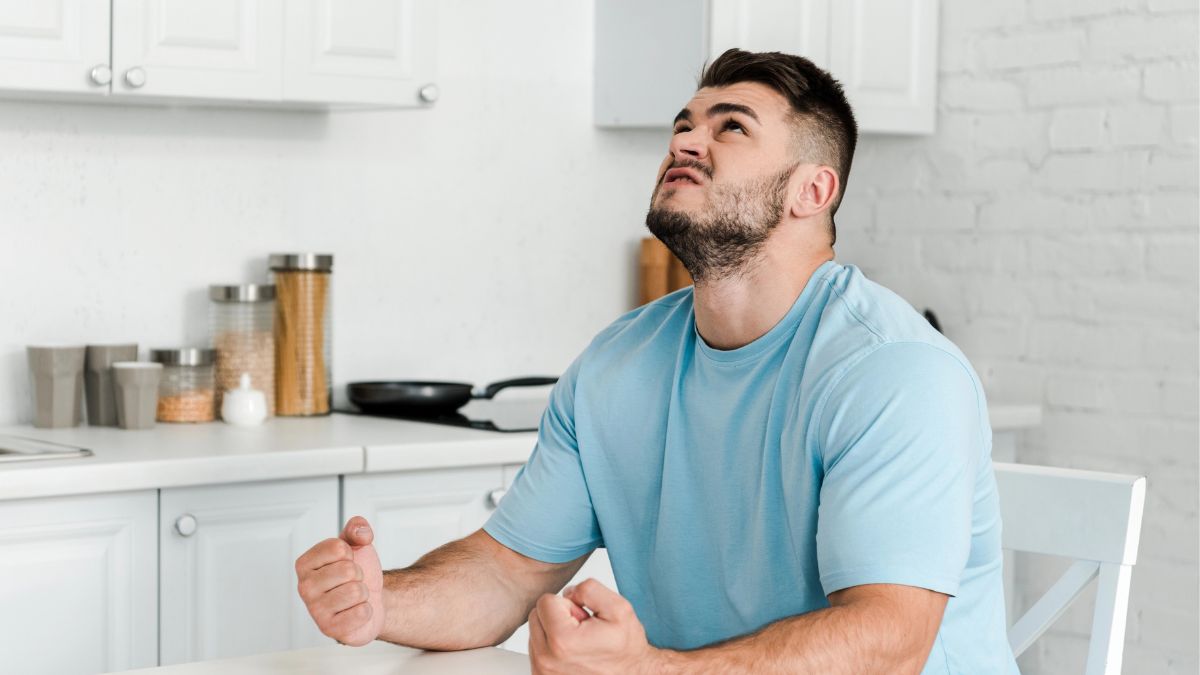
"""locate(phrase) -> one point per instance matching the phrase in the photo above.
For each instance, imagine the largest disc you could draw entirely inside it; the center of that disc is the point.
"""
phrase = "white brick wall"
(1052, 222)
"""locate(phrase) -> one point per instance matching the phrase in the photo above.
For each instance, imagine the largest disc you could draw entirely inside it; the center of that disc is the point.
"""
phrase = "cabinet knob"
(135, 77)
(429, 93)
(494, 497)
(186, 524)
(101, 74)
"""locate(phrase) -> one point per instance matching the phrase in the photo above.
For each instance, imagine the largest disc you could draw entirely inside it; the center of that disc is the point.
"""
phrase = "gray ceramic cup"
(57, 374)
(98, 382)
(136, 386)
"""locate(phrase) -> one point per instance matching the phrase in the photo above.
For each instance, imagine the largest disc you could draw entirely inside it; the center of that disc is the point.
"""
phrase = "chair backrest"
(1092, 517)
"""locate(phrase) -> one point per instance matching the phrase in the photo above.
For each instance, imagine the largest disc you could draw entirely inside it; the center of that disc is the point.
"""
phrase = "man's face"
(722, 187)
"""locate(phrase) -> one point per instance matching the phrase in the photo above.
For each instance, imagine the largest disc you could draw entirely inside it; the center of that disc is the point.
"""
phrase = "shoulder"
(860, 318)
(873, 349)
(655, 320)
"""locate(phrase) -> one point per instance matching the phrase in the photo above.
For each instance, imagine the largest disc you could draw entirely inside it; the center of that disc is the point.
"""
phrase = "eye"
(682, 128)
(733, 125)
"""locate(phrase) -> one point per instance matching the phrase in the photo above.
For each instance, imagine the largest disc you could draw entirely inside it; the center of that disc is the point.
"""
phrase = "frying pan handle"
(495, 387)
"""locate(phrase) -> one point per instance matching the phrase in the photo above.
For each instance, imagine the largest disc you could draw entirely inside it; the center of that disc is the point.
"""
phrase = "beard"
(724, 241)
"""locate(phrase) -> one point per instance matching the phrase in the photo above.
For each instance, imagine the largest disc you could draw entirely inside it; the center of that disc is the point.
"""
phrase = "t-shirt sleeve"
(901, 436)
(547, 513)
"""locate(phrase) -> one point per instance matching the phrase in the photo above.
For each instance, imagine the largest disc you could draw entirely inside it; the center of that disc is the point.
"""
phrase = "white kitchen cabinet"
(227, 566)
(290, 53)
(55, 46)
(216, 49)
(367, 51)
(79, 583)
(414, 512)
(884, 52)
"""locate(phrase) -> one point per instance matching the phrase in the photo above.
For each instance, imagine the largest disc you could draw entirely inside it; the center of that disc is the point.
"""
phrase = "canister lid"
(188, 356)
(316, 262)
(242, 293)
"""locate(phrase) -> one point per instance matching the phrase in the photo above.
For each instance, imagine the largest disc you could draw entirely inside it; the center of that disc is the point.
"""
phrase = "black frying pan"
(426, 398)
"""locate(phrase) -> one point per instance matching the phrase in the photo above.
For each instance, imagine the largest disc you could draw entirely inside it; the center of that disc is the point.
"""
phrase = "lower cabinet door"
(414, 512)
(228, 556)
(79, 584)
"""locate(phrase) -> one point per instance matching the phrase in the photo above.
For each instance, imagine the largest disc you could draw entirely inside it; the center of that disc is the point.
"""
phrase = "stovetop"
(508, 416)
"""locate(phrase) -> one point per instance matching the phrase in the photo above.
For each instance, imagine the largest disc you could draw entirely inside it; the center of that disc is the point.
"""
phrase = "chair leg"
(1107, 646)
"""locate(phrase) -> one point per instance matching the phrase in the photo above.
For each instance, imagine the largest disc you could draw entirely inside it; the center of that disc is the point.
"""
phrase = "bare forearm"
(454, 597)
(836, 640)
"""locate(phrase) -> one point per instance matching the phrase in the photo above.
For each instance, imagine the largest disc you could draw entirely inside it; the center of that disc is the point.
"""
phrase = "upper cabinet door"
(219, 49)
(790, 26)
(884, 52)
(360, 51)
(55, 45)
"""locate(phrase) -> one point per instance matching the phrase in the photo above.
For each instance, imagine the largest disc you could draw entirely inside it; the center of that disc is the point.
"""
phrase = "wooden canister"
(654, 270)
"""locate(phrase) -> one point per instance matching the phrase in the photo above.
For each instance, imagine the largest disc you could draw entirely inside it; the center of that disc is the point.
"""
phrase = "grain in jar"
(303, 334)
(186, 392)
(241, 320)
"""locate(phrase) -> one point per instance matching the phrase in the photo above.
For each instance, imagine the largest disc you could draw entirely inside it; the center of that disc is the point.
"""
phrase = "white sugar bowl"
(244, 407)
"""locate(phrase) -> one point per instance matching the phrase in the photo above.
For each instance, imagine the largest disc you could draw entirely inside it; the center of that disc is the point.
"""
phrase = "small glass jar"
(186, 392)
(303, 333)
(241, 320)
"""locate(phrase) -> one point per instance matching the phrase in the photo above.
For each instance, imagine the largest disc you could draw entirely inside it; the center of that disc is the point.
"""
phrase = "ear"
(818, 187)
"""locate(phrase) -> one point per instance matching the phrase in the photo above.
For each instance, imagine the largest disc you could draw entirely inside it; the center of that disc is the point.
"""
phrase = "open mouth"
(682, 176)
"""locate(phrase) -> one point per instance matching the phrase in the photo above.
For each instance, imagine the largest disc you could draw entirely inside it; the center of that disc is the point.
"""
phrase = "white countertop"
(377, 658)
(175, 455)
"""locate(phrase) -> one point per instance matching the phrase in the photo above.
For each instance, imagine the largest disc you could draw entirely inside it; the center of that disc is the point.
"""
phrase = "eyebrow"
(718, 109)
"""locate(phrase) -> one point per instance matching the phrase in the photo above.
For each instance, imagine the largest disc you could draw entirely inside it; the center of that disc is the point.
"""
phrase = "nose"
(692, 144)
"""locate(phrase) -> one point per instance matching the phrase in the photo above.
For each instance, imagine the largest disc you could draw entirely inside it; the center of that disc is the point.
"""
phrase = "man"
(789, 468)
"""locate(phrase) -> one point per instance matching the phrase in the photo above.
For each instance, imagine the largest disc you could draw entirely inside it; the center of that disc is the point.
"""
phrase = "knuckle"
(354, 617)
(342, 570)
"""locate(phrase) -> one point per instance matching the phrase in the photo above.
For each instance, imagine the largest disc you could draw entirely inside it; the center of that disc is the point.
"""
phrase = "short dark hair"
(818, 104)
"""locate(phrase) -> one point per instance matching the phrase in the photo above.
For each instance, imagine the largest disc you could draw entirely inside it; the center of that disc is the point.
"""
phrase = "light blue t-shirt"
(848, 445)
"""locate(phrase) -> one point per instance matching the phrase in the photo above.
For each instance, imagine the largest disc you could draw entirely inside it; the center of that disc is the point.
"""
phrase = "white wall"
(1052, 223)
(488, 237)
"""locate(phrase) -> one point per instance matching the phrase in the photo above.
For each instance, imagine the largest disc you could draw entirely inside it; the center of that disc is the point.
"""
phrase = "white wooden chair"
(1092, 517)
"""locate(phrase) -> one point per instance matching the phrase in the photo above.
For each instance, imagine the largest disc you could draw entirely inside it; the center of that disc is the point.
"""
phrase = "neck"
(737, 310)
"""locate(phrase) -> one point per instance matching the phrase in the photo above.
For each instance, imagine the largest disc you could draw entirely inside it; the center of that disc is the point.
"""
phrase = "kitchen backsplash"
(487, 237)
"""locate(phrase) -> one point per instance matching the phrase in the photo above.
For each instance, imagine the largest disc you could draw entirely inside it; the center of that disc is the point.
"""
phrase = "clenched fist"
(341, 583)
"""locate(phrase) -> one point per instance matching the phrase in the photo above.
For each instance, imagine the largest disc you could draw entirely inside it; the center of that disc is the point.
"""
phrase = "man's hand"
(341, 583)
(565, 638)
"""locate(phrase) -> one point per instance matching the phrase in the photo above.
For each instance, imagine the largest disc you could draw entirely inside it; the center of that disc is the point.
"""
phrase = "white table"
(377, 658)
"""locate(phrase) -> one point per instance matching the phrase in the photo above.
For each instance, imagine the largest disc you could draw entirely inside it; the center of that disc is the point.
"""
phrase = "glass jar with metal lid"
(303, 332)
(186, 390)
(241, 318)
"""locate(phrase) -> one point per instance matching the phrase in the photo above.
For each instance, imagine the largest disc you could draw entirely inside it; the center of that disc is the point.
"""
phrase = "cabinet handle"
(135, 77)
(101, 74)
(186, 525)
(429, 93)
(494, 497)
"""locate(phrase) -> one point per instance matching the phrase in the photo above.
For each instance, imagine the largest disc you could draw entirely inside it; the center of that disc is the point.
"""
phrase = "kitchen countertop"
(175, 455)
(377, 658)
